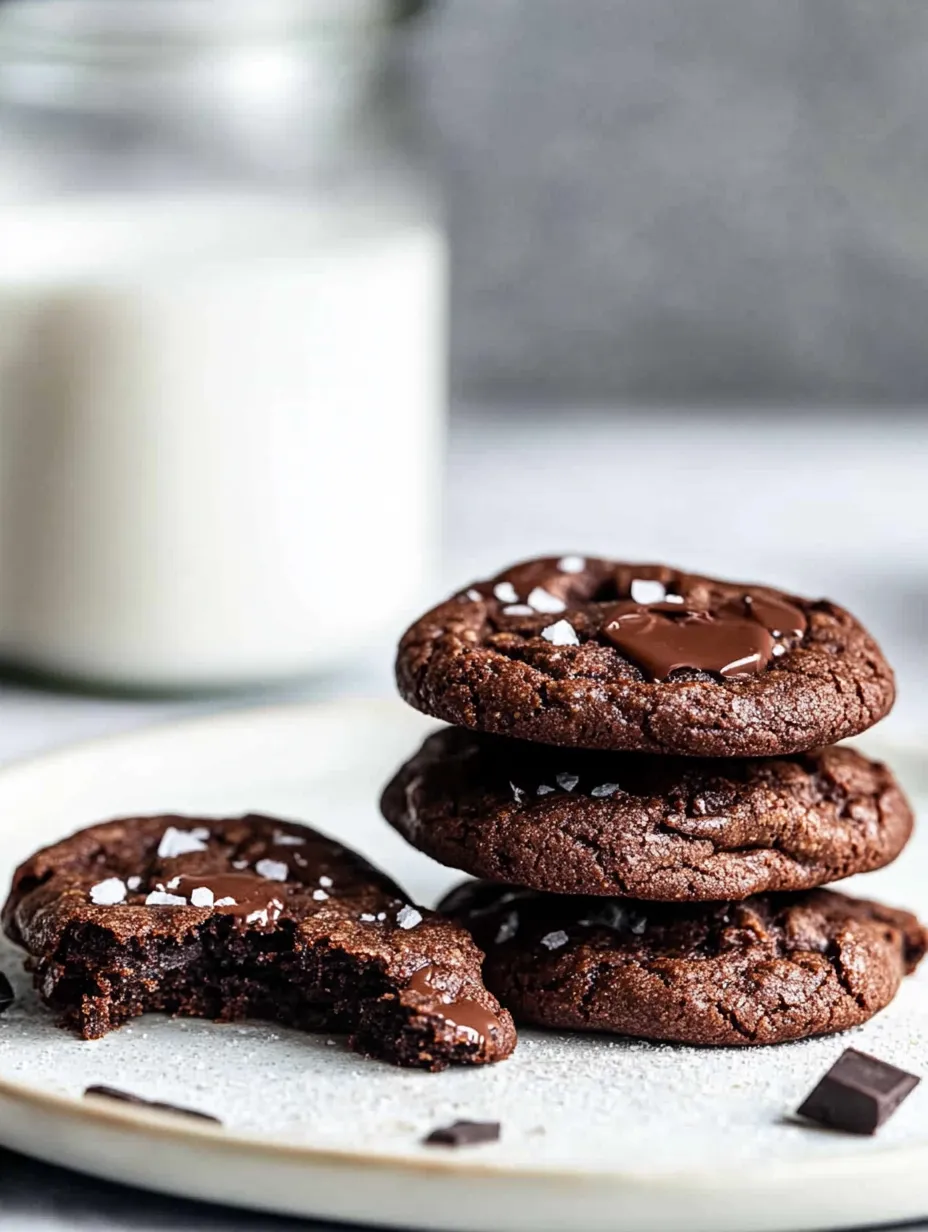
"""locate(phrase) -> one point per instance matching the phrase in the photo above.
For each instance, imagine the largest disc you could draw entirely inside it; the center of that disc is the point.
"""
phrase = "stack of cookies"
(642, 772)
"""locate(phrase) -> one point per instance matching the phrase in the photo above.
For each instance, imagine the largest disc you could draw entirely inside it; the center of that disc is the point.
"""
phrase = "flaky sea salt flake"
(517, 793)
(228, 901)
(518, 609)
(133, 882)
(567, 782)
(543, 601)
(605, 789)
(505, 592)
(202, 896)
(160, 898)
(108, 893)
(646, 591)
(543, 790)
(408, 917)
(554, 941)
(288, 840)
(508, 928)
(367, 918)
(176, 842)
(561, 633)
(474, 595)
(320, 896)
(272, 870)
(571, 564)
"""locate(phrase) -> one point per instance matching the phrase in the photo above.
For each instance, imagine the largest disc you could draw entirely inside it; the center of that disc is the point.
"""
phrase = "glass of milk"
(222, 339)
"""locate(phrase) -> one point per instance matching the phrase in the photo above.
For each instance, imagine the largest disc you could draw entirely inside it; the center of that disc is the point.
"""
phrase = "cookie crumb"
(464, 1133)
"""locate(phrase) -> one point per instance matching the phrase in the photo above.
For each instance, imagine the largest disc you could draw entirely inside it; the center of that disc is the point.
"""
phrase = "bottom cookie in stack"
(771, 968)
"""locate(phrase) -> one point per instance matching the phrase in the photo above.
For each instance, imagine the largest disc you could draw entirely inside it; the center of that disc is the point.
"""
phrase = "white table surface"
(832, 505)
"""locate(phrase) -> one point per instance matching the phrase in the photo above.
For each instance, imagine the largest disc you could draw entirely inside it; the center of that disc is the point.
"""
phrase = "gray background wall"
(685, 199)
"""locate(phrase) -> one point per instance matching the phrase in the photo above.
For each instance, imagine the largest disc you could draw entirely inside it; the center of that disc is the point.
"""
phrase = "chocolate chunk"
(6, 993)
(464, 1133)
(125, 1097)
(858, 1093)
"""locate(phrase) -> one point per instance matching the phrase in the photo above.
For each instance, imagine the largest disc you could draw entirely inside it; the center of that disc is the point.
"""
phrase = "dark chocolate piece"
(572, 821)
(772, 968)
(7, 996)
(249, 917)
(593, 653)
(464, 1133)
(125, 1097)
(858, 1093)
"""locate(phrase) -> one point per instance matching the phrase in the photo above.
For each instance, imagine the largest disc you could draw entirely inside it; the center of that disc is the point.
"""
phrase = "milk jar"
(222, 339)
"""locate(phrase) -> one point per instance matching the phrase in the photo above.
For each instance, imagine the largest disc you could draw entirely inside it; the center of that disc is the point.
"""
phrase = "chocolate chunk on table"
(464, 1133)
(126, 1097)
(858, 1093)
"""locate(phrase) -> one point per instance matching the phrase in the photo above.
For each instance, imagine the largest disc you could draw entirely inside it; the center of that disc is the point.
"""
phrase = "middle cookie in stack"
(644, 892)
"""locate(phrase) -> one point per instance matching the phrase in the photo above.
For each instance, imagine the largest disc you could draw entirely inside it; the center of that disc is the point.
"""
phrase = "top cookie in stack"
(641, 741)
(595, 654)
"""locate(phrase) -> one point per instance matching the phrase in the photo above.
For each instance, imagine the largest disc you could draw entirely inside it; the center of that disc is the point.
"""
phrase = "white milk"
(219, 434)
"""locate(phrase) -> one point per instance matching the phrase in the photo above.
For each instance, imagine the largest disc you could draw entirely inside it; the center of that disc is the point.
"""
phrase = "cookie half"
(597, 654)
(773, 968)
(255, 917)
(571, 821)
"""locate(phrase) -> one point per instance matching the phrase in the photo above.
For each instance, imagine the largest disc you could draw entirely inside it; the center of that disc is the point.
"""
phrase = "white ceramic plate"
(598, 1133)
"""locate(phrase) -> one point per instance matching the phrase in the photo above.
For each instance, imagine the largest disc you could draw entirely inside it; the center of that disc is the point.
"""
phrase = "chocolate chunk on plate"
(126, 1097)
(858, 1093)
(6, 993)
(464, 1133)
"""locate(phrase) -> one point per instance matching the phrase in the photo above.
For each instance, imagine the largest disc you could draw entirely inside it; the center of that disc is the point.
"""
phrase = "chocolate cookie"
(572, 821)
(775, 967)
(254, 917)
(600, 655)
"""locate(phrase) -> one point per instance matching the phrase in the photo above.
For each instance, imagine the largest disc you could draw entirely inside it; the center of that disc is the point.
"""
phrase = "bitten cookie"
(772, 968)
(595, 654)
(249, 916)
(571, 821)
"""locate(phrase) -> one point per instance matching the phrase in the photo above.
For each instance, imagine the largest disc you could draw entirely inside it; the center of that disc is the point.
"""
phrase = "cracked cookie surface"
(572, 821)
(249, 917)
(593, 653)
(775, 967)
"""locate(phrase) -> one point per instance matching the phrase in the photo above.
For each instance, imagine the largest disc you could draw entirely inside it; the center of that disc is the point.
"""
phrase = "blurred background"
(315, 309)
